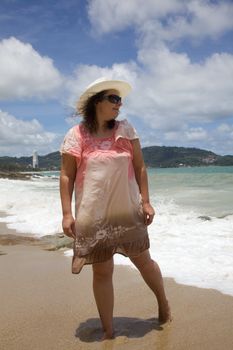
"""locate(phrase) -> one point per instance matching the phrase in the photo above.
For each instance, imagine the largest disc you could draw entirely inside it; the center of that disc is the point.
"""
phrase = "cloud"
(226, 129)
(163, 20)
(196, 21)
(173, 90)
(219, 139)
(168, 89)
(222, 138)
(187, 134)
(196, 134)
(177, 100)
(113, 15)
(25, 73)
(174, 100)
(19, 137)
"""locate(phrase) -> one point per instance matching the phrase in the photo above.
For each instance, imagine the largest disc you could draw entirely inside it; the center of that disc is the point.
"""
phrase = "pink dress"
(108, 209)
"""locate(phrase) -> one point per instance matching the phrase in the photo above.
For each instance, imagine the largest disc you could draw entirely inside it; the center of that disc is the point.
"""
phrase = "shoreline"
(44, 306)
(28, 175)
(15, 175)
(59, 242)
(48, 242)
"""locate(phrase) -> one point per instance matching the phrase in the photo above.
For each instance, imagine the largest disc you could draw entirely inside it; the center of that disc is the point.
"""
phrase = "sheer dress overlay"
(108, 207)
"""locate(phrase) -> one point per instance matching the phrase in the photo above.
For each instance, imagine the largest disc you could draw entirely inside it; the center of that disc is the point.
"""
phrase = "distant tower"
(35, 163)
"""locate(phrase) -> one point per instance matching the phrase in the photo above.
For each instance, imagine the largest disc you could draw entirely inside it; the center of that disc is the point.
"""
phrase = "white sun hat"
(103, 84)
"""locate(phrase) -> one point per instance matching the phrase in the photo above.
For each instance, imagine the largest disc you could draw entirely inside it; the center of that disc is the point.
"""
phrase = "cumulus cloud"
(173, 90)
(218, 139)
(226, 129)
(198, 20)
(196, 134)
(187, 134)
(222, 139)
(19, 137)
(176, 101)
(162, 19)
(113, 15)
(25, 73)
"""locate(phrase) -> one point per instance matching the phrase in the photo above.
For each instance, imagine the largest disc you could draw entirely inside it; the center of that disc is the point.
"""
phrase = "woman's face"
(109, 107)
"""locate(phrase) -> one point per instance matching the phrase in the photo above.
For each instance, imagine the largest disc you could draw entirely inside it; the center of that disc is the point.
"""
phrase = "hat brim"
(121, 86)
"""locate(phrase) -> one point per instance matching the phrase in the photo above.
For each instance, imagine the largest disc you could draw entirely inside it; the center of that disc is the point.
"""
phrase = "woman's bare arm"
(67, 179)
(142, 180)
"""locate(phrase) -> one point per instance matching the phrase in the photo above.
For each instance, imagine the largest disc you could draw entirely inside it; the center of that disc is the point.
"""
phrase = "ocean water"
(192, 233)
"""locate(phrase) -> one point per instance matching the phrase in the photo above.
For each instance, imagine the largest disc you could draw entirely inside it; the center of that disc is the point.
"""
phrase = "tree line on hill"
(154, 156)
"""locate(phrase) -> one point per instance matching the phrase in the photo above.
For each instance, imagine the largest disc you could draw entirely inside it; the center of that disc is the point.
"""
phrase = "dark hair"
(88, 112)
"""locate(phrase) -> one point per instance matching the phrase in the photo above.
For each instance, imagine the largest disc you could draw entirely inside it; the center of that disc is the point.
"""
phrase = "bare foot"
(165, 313)
(107, 335)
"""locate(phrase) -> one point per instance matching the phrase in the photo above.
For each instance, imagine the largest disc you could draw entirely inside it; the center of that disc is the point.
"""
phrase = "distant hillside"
(167, 157)
(155, 156)
(50, 161)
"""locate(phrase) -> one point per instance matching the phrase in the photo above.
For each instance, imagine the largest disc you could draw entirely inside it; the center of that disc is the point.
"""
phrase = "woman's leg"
(103, 292)
(151, 274)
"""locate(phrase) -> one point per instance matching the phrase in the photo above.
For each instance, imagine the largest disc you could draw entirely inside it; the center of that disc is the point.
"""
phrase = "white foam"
(187, 248)
(191, 250)
(32, 207)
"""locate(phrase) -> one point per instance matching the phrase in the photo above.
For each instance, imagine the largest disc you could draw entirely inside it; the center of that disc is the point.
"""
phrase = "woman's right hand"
(68, 225)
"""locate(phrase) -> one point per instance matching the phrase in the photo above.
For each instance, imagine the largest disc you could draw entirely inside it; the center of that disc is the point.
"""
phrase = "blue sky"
(177, 55)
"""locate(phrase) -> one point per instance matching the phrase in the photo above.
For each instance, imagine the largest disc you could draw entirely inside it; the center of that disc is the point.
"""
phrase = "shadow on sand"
(130, 327)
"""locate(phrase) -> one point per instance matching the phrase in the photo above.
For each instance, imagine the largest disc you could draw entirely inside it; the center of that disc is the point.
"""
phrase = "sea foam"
(189, 245)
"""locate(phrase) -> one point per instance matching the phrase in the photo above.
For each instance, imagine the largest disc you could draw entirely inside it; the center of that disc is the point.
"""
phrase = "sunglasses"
(112, 98)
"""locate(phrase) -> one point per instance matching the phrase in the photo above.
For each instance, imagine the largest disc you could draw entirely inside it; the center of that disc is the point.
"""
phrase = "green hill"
(50, 161)
(155, 156)
(167, 157)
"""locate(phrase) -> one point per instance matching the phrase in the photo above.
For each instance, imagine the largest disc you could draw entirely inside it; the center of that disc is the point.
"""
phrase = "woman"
(102, 159)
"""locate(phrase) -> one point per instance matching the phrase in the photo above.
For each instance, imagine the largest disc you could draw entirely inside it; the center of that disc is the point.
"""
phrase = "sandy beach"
(44, 306)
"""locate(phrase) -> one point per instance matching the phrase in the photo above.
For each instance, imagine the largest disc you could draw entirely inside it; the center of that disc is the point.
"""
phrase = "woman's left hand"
(149, 213)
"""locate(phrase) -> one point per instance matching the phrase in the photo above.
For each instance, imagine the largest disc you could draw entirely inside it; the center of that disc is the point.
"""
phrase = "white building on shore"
(35, 162)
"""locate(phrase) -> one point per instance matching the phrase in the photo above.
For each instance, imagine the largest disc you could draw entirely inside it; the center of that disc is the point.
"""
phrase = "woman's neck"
(103, 130)
(102, 126)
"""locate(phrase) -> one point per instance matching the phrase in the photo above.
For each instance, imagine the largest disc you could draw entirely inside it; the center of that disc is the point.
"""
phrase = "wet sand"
(44, 306)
